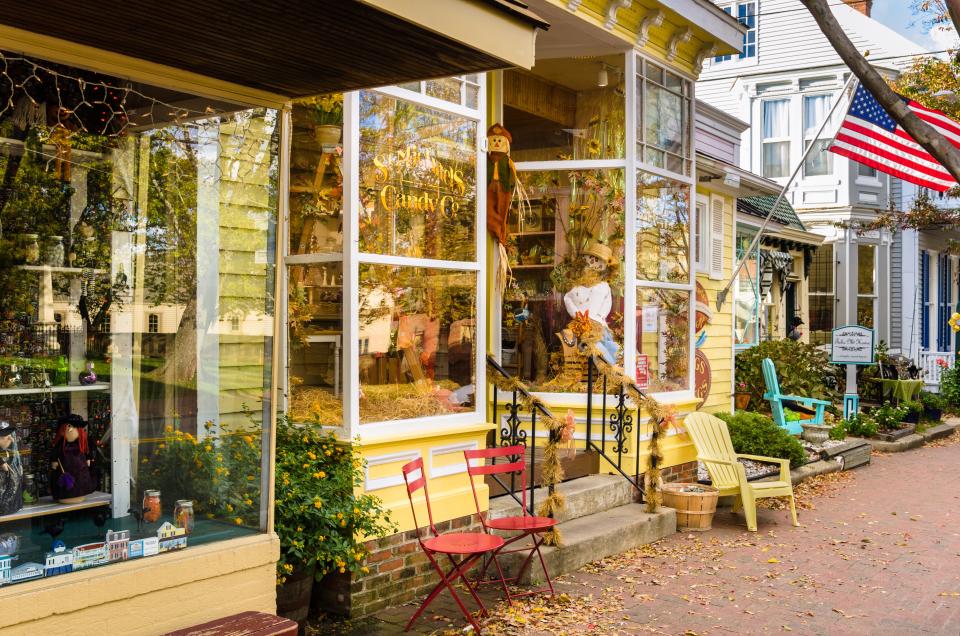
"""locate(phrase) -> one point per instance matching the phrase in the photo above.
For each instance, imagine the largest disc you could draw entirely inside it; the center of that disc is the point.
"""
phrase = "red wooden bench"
(243, 624)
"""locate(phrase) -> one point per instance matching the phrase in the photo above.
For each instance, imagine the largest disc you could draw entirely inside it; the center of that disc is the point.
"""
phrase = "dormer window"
(746, 13)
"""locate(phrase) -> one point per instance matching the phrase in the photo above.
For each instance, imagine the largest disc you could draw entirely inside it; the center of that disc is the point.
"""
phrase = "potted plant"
(328, 116)
(741, 397)
(914, 410)
(320, 519)
(933, 406)
(889, 419)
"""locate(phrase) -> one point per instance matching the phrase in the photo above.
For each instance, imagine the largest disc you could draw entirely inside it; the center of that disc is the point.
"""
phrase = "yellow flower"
(168, 428)
(229, 508)
(358, 556)
(339, 515)
(319, 474)
(365, 570)
(593, 147)
(287, 568)
(327, 453)
(250, 478)
(306, 465)
(317, 503)
(299, 528)
(343, 523)
(356, 511)
(249, 502)
(311, 455)
(238, 521)
(161, 445)
(208, 448)
(248, 439)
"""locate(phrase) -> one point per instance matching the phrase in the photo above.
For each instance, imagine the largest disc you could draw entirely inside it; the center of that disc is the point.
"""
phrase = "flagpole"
(722, 294)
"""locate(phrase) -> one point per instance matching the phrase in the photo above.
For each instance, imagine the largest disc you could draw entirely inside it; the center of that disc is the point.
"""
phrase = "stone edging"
(909, 442)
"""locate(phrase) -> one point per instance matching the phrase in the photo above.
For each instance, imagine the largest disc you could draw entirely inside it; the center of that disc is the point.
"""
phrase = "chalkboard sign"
(852, 344)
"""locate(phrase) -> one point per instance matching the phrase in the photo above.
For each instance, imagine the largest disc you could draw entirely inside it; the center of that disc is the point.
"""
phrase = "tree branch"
(953, 10)
(924, 134)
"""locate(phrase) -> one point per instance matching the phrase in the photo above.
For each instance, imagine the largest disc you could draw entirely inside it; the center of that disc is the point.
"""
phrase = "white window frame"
(808, 136)
(631, 164)
(352, 257)
(772, 140)
(701, 241)
(833, 287)
(734, 60)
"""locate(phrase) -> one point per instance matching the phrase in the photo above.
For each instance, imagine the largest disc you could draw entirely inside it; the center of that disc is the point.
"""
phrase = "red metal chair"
(472, 545)
(525, 524)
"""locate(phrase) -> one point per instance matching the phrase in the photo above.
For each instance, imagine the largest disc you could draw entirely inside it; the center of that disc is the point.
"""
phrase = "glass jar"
(183, 515)
(151, 506)
(54, 255)
(31, 249)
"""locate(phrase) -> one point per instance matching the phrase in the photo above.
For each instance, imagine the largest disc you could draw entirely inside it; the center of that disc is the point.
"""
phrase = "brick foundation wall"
(399, 572)
(686, 472)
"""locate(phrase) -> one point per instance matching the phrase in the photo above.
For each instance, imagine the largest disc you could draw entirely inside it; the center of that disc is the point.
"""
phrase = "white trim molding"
(379, 483)
(451, 469)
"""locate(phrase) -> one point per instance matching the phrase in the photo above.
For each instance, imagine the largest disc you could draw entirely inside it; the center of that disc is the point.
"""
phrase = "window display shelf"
(76, 271)
(540, 233)
(66, 388)
(47, 506)
(539, 266)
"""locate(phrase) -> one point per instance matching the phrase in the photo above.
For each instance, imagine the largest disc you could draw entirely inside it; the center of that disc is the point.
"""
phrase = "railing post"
(532, 446)
(589, 398)
(496, 398)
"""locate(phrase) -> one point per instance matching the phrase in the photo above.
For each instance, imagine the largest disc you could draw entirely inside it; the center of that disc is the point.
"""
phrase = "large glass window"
(866, 285)
(417, 326)
(746, 313)
(776, 138)
(566, 256)
(815, 110)
(418, 179)
(822, 296)
(138, 229)
(747, 16)
(663, 115)
(663, 229)
(663, 337)
(566, 109)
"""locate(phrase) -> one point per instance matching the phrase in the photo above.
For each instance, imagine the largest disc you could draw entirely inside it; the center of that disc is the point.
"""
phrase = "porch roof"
(760, 206)
(294, 48)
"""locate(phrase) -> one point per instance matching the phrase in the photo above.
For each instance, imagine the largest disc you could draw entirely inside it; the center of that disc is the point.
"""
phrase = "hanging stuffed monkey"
(501, 185)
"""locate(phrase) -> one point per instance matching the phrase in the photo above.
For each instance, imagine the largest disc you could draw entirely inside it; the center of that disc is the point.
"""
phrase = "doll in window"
(72, 476)
(11, 470)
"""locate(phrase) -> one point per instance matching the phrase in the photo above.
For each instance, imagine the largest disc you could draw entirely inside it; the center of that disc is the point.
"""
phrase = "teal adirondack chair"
(776, 399)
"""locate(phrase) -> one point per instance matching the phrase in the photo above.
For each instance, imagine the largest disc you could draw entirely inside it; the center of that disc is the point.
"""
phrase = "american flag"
(870, 136)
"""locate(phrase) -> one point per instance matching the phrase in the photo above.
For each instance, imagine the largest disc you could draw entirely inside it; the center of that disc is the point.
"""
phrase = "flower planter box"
(741, 400)
(694, 503)
(892, 436)
(933, 415)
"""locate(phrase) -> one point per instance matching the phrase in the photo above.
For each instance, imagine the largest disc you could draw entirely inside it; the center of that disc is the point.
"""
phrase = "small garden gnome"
(501, 186)
(11, 470)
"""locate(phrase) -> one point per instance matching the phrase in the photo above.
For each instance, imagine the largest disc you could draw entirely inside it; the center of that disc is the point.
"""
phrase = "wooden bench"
(243, 624)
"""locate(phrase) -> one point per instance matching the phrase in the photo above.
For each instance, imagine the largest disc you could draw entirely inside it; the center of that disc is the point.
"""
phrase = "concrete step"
(584, 496)
(594, 537)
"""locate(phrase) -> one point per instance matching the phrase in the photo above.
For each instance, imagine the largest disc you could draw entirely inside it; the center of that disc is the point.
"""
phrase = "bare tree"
(924, 134)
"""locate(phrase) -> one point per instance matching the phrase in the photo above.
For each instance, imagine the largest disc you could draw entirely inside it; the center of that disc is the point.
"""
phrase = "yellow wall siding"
(719, 342)
(447, 479)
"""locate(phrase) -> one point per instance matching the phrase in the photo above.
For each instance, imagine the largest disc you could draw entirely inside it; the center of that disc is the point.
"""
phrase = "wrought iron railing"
(619, 419)
(512, 432)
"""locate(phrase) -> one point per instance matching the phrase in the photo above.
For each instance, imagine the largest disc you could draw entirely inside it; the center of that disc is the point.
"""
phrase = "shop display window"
(566, 109)
(663, 338)
(137, 234)
(566, 254)
(664, 128)
(663, 229)
(418, 180)
(418, 342)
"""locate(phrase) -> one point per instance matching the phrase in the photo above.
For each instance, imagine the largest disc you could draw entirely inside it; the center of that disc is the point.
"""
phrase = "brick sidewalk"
(880, 555)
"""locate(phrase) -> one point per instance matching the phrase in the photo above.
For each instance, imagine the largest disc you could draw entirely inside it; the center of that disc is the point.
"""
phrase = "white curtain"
(776, 118)
(815, 110)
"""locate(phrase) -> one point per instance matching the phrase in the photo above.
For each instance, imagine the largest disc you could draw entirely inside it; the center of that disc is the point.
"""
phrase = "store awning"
(284, 49)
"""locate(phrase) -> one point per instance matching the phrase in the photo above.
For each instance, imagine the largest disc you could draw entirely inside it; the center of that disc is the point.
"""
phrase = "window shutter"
(716, 238)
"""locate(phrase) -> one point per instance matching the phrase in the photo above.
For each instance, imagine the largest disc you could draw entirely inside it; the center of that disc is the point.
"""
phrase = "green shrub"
(756, 434)
(790, 416)
(889, 417)
(319, 516)
(801, 368)
(950, 387)
(839, 431)
(860, 425)
(933, 406)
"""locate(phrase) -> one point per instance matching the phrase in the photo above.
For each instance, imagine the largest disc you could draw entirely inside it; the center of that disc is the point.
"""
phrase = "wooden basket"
(694, 509)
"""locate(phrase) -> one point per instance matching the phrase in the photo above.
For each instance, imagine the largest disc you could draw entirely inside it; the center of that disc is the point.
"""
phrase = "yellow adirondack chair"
(715, 450)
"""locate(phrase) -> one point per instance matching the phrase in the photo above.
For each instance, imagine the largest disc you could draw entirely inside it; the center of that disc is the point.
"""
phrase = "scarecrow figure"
(502, 184)
(591, 298)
